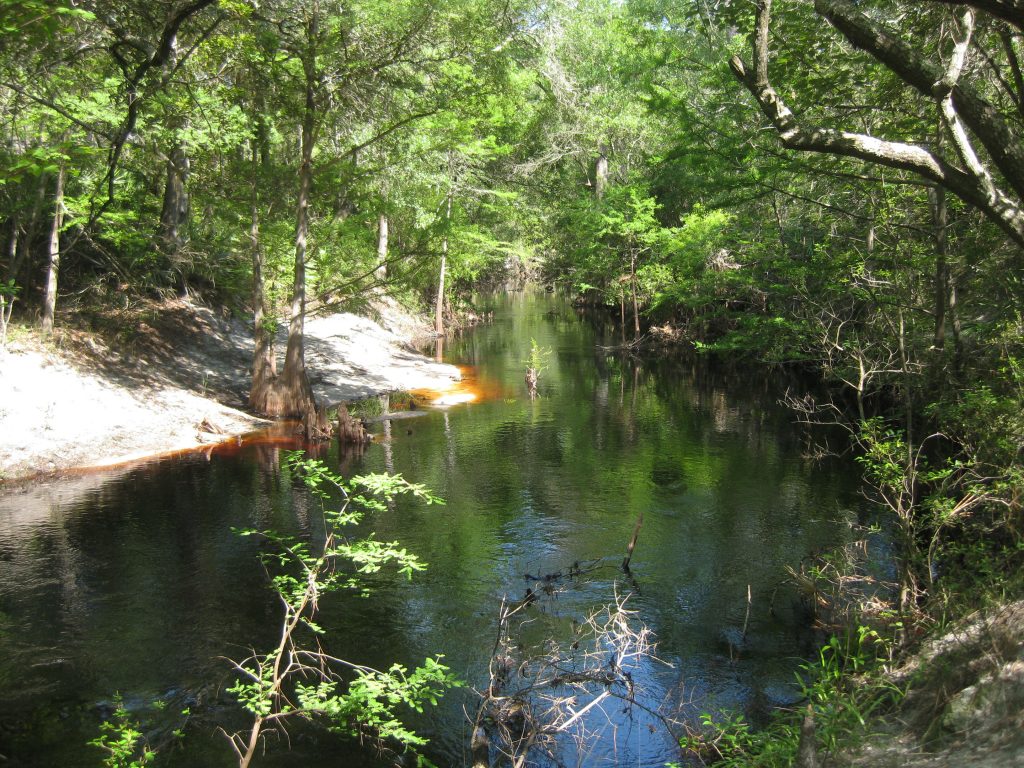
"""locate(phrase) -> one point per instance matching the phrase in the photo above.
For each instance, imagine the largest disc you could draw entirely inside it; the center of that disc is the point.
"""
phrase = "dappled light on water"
(454, 398)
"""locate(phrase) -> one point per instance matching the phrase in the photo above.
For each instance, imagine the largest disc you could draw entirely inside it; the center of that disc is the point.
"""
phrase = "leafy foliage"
(843, 689)
(298, 679)
(122, 741)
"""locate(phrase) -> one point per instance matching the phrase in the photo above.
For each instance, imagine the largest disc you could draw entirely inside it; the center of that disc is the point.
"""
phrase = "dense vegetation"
(828, 185)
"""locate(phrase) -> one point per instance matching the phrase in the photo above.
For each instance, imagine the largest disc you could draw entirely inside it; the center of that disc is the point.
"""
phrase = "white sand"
(62, 410)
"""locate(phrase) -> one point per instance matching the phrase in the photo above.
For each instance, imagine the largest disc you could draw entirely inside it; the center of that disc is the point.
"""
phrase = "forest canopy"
(829, 185)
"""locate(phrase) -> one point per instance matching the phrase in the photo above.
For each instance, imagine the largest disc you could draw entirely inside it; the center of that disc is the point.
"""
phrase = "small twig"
(746, 619)
(577, 715)
(632, 542)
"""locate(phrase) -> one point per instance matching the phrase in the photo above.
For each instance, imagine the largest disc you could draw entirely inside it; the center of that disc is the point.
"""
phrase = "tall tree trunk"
(907, 501)
(50, 291)
(622, 313)
(175, 210)
(382, 248)
(601, 172)
(28, 229)
(11, 267)
(174, 214)
(290, 394)
(296, 392)
(632, 283)
(7, 298)
(940, 221)
(439, 303)
(264, 361)
(954, 316)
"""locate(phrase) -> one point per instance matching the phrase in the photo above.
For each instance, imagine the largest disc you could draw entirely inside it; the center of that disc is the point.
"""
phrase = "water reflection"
(134, 581)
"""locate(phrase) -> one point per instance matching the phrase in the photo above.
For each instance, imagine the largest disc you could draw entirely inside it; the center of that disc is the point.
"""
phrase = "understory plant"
(841, 690)
(298, 679)
(122, 741)
(8, 294)
(534, 365)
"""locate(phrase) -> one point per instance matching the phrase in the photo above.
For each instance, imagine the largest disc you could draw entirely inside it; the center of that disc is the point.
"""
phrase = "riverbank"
(174, 376)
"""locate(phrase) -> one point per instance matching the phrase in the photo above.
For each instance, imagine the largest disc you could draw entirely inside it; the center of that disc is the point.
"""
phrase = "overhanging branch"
(985, 121)
(973, 189)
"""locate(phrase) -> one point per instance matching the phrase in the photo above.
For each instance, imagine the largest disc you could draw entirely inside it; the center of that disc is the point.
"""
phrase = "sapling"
(8, 293)
(122, 741)
(534, 365)
(297, 679)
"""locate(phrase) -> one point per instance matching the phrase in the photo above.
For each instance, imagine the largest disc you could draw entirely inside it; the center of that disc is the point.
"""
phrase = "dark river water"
(133, 580)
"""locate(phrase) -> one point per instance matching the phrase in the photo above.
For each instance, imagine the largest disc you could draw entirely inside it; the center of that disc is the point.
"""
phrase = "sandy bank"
(176, 377)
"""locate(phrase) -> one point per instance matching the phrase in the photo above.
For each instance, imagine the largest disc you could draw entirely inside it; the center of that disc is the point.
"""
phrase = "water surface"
(134, 581)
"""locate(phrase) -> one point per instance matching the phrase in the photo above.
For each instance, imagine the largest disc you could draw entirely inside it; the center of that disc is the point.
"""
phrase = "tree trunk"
(954, 316)
(622, 313)
(439, 304)
(11, 267)
(264, 361)
(632, 283)
(292, 394)
(601, 172)
(908, 501)
(382, 248)
(298, 395)
(50, 291)
(23, 242)
(940, 221)
(174, 214)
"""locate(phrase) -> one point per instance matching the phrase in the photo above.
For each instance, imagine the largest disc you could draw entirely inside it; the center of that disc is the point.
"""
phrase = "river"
(133, 580)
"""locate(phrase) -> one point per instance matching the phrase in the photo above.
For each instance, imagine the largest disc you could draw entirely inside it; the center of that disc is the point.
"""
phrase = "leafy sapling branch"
(298, 679)
(840, 692)
(122, 741)
(8, 294)
(534, 365)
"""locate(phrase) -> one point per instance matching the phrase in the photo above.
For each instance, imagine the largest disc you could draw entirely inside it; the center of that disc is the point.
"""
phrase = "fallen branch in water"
(632, 542)
(534, 699)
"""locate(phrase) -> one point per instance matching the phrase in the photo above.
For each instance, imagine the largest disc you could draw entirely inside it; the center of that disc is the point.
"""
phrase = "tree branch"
(1001, 142)
(975, 190)
(944, 94)
(1014, 61)
(1011, 11)
(54, 106)
(152, 57)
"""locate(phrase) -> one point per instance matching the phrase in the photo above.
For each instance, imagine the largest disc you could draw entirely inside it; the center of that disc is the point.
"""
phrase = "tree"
(628, 223)
(993, 186)
(298, 679)
(367, 71)
(146, 53)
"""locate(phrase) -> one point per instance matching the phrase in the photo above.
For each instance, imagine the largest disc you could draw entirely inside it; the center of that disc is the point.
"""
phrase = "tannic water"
(133, 580)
